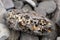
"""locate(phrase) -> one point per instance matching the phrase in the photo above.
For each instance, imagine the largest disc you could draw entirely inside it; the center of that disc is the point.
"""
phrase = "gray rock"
(48, 0)
(27, 7)
(7, 3)
(25, 36)
(31, 2)
(4, 32)
(14, 35)
(2, 12)
(18, 4)
(46, 6)
(58, 38)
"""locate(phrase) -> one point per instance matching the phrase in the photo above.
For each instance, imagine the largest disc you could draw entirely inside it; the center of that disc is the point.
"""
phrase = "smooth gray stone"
(56, 17)
(2, 12)
(29, 1)
(48, 0)
(25, 36)
(14, 35)
(8, 3)
(27, 7)
(58, 38)
(4, 32)
(46, 6)
(18, 4)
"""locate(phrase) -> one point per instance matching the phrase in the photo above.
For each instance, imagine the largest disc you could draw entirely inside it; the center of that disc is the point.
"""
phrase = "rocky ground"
(47, 8)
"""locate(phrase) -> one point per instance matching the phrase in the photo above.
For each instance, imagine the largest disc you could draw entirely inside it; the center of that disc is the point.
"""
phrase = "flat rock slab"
(7, 3)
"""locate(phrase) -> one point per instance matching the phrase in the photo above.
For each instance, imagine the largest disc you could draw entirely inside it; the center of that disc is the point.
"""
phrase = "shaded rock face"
(4, 32)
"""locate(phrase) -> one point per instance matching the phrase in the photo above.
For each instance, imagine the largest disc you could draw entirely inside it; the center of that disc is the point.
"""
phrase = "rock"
(58, 38)
(25, 36)
(31, 2)
(27, 7)
(4, 32)
(14, 35)
(8, 4)
(56, 17)
(2, 12)
(47, 0)
(18, 4)
(46, 6)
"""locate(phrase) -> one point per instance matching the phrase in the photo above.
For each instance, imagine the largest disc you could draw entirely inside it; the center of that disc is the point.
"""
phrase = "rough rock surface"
(7, 3)
(25, 36)
(14, 35)
(18, 4)
(46, 6)
(4, 34)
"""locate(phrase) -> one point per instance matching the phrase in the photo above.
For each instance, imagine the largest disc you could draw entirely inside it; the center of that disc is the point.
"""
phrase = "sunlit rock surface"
(18, 4)
(4, 32)
(7, 3)
(46, 6)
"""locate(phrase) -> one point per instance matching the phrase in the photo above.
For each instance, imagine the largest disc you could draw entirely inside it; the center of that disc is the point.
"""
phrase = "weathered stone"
(31, 2)
(27, 7)
(2, 12)
(18, 4)
(7, 3)
(25, 36)
(58, 38)
(14, 35)
(46, 6)
(4, 32)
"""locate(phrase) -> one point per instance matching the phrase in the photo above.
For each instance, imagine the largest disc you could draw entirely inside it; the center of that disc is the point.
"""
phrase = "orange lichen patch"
(34, 27)
(49, 23)
(49, 30)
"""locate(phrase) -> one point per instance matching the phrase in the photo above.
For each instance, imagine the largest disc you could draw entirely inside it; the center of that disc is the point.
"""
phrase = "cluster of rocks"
(50, 9)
